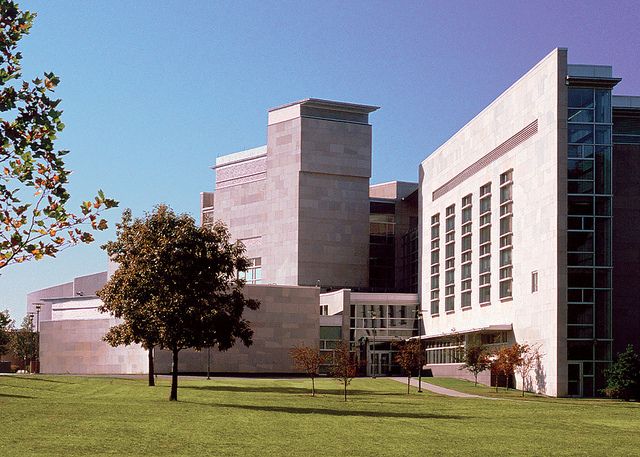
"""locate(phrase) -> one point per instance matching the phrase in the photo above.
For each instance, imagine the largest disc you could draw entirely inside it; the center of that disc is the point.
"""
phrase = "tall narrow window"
(506, 234)
(485, 245)
(466, 248)
(435, 264)
(449, 259)
(534, 281)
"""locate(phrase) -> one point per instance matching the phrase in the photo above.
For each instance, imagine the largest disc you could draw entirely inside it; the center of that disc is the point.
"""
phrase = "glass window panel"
(575, 150)
(466, 243)
(485, 235)
(485, 264)
(466, 271)
(580, 332)
(579, 313)
(603, 170)
(450, 223)
(505, 193)
(603, 206)
(505, 225)
(603, 241)
(580, 241)
(603, 278)
(580, 169)
(485, 294)
(575, 223)
(580, 97)
(603, 105)
(580, 133)
(466, 215)
(505, 257)
(449, 250)
(580, 277)
(603, 134)
(580, 187)
(579, 350)
(465, 301)
(580, 206)
(587, 151)
(435, 282)
(485, 205)
(581, 259)
(580, 115)
(505, 288)
(449, 277)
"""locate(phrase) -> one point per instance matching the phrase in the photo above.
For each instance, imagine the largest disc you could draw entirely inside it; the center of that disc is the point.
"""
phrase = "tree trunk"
(174, 377)
(152, 381)
(345, 390)
(523, 385)
(313, 386)
(475, 375)
(408, 385)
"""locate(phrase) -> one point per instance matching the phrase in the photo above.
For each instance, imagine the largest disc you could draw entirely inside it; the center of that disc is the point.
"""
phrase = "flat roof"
(330, 104)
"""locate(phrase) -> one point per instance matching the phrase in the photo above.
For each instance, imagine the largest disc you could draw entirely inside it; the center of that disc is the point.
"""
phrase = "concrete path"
(437, 389)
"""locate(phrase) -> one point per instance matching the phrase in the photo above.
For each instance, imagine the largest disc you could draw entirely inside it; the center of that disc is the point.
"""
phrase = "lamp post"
(208, 362)
(373, 351)
(38, 307)
(419, 316)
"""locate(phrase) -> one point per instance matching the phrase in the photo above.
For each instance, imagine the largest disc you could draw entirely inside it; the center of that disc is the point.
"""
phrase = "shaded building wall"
(626, 223)
(75, 346)
(288, 316)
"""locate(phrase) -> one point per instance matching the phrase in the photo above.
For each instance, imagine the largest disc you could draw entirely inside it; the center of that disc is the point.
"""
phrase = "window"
(435, 264)
(506, 237)
(253, 275)
(450, 259)
(465, 248)
(534, 281)
(485, 244)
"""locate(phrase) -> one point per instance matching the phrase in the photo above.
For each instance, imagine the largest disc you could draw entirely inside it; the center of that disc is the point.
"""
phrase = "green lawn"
(69, 416)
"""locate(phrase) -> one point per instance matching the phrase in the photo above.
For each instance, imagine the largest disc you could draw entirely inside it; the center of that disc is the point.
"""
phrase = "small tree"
(623, 377)
(409, 359)
(527, 358)
(476, 360)
(344, 366)
(24, 341)
(176, 285)
(504, 362)
(5, 332)
(35, 221)
(309, 360)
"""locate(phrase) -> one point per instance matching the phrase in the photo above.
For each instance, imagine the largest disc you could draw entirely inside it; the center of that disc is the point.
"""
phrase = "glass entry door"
(379, 363)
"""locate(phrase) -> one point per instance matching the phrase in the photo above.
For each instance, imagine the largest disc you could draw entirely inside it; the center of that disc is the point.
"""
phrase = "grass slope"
(73, 416)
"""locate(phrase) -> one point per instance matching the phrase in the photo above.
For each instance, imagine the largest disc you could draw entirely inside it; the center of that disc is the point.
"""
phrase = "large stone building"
(516, 235)
(522, 228)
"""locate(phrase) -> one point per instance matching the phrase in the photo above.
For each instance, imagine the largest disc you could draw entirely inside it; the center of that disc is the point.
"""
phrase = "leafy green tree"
(34, 219)
(177, 285)
(623, 377)
(5, 331)
(475, 360)
(408, 357)
(24, 341)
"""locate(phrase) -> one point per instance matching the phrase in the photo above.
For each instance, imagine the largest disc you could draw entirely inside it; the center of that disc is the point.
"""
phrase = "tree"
(176, 285)
(309, 360)
(5, 331)
(24, 341)
(476, 360)
(344, 366)
(34, 219)
(623, 376)
(527, 358)
(408, 357)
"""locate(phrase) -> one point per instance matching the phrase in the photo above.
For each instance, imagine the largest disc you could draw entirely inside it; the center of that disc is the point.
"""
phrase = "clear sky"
(153, 91)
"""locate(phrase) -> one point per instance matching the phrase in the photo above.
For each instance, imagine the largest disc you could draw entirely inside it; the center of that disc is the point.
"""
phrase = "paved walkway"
(437, 389)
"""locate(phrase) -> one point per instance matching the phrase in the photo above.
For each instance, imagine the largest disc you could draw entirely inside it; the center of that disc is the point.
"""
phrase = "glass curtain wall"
(589, 239)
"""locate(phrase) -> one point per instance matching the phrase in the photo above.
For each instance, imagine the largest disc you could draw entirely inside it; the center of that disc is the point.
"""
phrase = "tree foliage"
(24, 341)
(409, 358)
(6, 325)
(309, 360)
(344, 366)
(476, 359)
(34, 219)
(504, 362)
(528, 358)
(176, 286)
(623, 376)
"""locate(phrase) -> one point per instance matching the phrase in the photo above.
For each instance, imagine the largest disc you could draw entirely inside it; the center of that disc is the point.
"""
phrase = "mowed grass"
(72, 416)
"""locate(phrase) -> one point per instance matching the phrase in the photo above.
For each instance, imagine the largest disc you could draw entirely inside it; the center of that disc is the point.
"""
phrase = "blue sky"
(153, 91)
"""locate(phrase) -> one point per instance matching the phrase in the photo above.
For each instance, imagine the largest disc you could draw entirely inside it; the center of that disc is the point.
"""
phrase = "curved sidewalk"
(437, 389)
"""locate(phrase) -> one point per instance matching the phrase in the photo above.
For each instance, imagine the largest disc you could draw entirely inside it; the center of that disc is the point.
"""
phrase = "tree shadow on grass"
(289, 390)
(35, 378)
(335, 412)
(15, 396)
